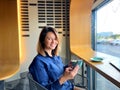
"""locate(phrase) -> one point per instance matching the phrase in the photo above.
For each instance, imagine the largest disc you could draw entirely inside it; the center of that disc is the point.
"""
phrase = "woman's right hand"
(69, 74)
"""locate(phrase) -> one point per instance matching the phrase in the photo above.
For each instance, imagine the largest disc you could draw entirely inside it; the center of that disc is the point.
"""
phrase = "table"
(103, 67)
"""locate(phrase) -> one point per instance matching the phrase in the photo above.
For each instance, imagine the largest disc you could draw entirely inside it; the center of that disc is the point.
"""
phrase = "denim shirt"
(47, 70)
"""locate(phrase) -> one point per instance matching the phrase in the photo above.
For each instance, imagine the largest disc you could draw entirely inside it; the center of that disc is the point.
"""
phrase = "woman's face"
(50, 41)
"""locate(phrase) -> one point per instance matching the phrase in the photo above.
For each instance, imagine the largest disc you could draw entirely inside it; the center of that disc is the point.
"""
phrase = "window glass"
(108, 28)
(108, 37)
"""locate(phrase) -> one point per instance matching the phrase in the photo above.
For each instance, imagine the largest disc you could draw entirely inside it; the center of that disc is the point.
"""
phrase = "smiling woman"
(47, 68)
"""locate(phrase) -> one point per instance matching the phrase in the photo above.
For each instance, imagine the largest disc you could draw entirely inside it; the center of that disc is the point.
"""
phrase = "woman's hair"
(41, 45)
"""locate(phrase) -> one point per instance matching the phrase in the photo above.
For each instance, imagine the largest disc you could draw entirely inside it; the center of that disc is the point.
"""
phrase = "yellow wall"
(9, 40)
(80, 23)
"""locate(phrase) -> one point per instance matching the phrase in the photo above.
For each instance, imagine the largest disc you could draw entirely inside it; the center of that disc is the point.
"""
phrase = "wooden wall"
(9, 40)
(80, 23)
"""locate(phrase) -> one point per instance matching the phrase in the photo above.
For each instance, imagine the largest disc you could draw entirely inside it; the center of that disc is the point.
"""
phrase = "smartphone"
(78, 62)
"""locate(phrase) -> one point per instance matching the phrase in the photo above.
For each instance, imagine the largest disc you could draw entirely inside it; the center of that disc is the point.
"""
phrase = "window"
(108, 28)
(107, 35)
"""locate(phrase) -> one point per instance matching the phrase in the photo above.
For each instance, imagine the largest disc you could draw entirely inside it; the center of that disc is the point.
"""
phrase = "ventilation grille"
(24, 17)
(50, 12)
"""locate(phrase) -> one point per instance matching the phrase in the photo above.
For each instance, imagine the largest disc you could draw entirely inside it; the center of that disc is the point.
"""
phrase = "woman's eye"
(52, 39)
(49, 38)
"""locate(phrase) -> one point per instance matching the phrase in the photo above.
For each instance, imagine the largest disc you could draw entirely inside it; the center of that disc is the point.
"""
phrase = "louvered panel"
(24, 18)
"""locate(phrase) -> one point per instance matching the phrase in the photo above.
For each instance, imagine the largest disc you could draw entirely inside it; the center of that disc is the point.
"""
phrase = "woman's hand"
(69, 74)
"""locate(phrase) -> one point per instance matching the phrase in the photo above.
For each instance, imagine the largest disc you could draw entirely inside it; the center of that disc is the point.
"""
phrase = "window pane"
(108, 28)
(108, 37)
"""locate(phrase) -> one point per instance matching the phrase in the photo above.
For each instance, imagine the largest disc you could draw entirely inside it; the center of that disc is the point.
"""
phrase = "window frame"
(93, 21)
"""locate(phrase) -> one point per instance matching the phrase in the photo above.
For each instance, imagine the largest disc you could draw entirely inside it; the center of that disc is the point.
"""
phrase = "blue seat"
(33, 84)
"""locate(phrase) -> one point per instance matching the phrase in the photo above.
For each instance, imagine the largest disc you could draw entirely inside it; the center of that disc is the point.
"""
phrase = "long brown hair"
(41, 45)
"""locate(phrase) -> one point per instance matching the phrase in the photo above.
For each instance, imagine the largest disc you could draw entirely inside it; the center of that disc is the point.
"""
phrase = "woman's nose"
(53, 40)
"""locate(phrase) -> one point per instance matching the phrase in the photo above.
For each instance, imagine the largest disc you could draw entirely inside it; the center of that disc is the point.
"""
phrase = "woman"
(47, 67)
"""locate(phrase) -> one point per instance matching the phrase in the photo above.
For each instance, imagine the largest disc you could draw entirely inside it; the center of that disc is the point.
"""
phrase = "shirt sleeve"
(39, 73)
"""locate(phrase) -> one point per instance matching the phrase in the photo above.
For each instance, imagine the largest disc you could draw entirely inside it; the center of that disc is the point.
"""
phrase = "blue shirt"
(47, 70)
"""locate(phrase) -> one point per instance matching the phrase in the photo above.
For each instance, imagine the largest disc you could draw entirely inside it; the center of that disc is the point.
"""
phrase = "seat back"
(33, 84)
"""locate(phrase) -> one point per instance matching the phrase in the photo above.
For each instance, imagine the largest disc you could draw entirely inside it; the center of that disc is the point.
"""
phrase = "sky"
(109, 18)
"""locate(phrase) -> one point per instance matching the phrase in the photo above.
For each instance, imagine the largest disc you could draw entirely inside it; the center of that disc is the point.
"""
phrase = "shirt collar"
(48, 54)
